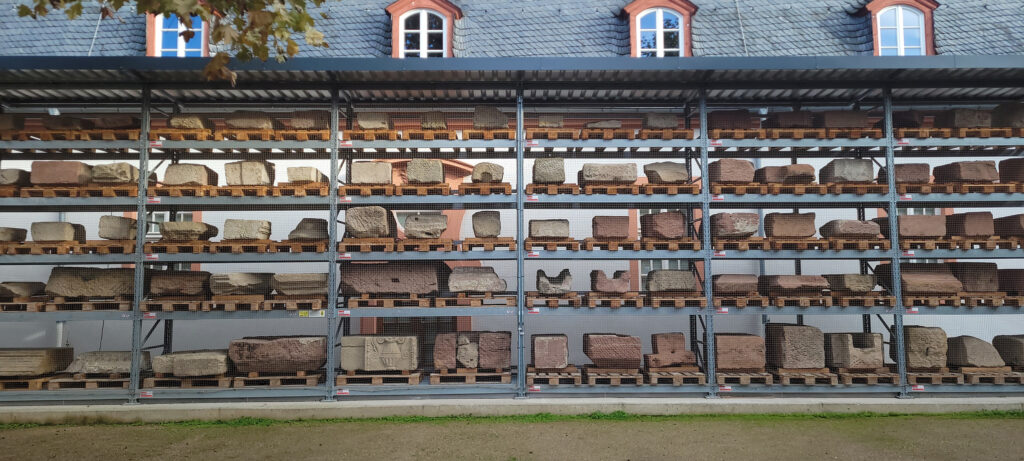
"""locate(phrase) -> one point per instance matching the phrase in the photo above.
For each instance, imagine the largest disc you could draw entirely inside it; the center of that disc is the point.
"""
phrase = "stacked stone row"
(861, 171)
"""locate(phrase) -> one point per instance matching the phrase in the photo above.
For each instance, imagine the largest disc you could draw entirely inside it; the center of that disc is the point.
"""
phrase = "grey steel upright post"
(138, 258)
(894, 252)
(520, 254)
(332, 251)
(706, 250)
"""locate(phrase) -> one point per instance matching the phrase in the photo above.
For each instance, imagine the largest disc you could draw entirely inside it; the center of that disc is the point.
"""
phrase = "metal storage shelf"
(618, 311)
(613, 201)
(614, 390)
(955, 254)
(64, 316)
(812, 310)
(230, 203)
(40, 204)
(259, 146)
(65, 394)
(474, 255)
(235, 257)
(805, 254)
(798, 201)
(236, 315)
(618, 254)
(406, 202)
(67, 259)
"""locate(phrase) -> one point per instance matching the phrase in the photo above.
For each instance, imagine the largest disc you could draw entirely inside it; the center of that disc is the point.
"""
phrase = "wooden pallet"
(171, 247)
(237, 134)
(743, 377)
(425, 245)
(591, 244)
(607, 134)
(801, 301)
(370, 135)
(990, 243)
(805, 376)
(294, 303)
(189, 382)
(926, 244)
(922, 133)
(240, 191)
(840, 244)
(870, 299)
(476, 300)
(42, 135)
(26, 304)
(86, 190)
(651, 244)
(429, 135)
(488, 244)
(613, 300)
(407, 300)
(612, 376)
(175, 134)
(33, 383)
(41, 248)
(172, 304)
(90, 381)
(232, 303)
(567, 243)
(980, 299)
(308, 189)
(350, 377)
(677, 300)
(49, 192)
(9, 191)
(471, 376)
(675, 376)
(477, 188)
(932, 300)
(570, 299)
(104, 247)
(750, 300)
(873, 377)
(935, 376)
(552, 189)
(180, 191)
(298, 246)
(749, 243)
(985, 188)
(667, 134)
(241, 246)
(488, 135)
(737, 133)
(990, 375)
(109, 190)
(423, 189)
(670, 189)
(60, 304)
(1014, 301)
(853, 133)
(570, 375)
(797, 189)
(739, 189)
(858, 188)
(796, 133)
(367, 190)
(929, 188)
(611, 189)
(983, 132)
(800, 244)
(362, 245)
(299, 379)
(552, 134)
(303, 135)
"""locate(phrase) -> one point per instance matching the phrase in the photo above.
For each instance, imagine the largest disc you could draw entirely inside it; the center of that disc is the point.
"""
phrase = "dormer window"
(902, 27)
(422, 28)
(660, 28)
(168, 41)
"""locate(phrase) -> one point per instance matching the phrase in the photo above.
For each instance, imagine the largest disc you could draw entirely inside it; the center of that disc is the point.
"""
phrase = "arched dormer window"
(422, 28)
(660, 28)
(902, 27)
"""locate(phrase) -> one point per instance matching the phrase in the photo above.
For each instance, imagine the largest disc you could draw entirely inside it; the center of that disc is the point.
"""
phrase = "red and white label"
(719, 253)
(722, 310)
(532, 143)
(532, 254)
(345, 199)
(908, 253)
(149, 315)
(716, 143)
(345, 144)
(913, 310)
(902, 142)
(156, 144)
(917, 388)
(533, 198)
(146, 394)
(344, 255)
(717, 198)
(724, 388)
(906, 197)
(345, 313)
(152, 257)
(153, 200)
(533, 388)
(341, 392)
(533, 310)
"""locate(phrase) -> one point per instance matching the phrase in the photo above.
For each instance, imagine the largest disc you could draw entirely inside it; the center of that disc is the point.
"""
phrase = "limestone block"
(475, 279)
(371, 173)
(73, 282)
(549, 170)
(310, 229)
(13, 234)
(186, 231)
(800, 173)
(115, 173)
(843, 118)
(851, 283)
(20, 362)
(180, 283)
(854, 350)
(666, 173)
(1011, 170)
(489, 118)
(976, 276)
(978, 171)
(792, 284)
(738, 351)
(210, 362)
(379, 353)
(107, 362)
(733, 225)
(549, 121)
(669, 350)
(604, 125)
(915, 226)
(189, 174)
(608, 173)
(373, 121)
(14, 177)
(367, 222)
(671, 280)
(731, 171)
(486, 224)
(925, 347)
(246, 229)
(487, 172)
(667, 225)
(390, 278)
(311, 120)
(795, 119)
(794, 346)
(249, 173)
(610, 227)
(249, 120)
(117, 228)
(1011, 281)
(60, 173)
(904, 119)
(619, 283)
(549, 351)
(921, 278)
(425, 226)
(847, 170)
(58, 232)
(1011, 349)
(305, 175)
(850, 228)
(12, 122)
(467, 350)
(424, 171)
(734, 284)
(1008, 115)
(977, 224)
(278, 354)
(738, 119)
(553, 286)
(1009, 226)
(968, 351)
(65, 122)
(434, 120)
(549, 228)
(964, 118)
(445, 345)
(21, 289)
(314, 285)
(495, 349)
(789, 225)
(660, 121)
(613, 351)
(188, 122)
(907, 173)
(240, 283)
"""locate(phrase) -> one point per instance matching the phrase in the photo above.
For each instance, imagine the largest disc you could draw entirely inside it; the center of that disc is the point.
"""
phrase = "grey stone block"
(424, 171)
(425, 226)
(117, 228)
(58, 232)
(246, 229)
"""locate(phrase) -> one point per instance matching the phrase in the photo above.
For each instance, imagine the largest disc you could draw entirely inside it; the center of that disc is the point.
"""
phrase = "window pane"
(671, 21)
(435, 54)
(196, 41)
(672, 53)
(648, 40)
(912, 51)
(888, 52)
(193, 53)
(648, 54)
(169, 39)
(412, 41)
(412, 22)
(912, 17)
(671, 39)
(649, 20)
(170, 21)
(412, 55)
(887, 19)
(435, 41)
(434, 22)
(912, 36)
(888, 37)
(169, 53)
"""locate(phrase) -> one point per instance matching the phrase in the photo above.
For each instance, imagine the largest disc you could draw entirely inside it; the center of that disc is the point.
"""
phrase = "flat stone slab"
(794, 346)
(310, 229)
(608, 173)
(445, 345)
(92, 282)
(246, 229)
(475, 279)
(282, 354)
(604, 125)
(549, 228)
(1009, 226)
(734, 225)
(187, 231)
(180, 283)
(671, 280)
(495, 349)
(65, 122)
(797, 284)
(734, 284)
(425, 226)
(57, 232)
(853, 283)
(964, 118)
(19, 362)
(249, 120)
(117, 228)
(847, 170)
(107, 362)
(486, 224)
(379, 353)
(550, 121)
(240, 283)
(613, 351)
(60, 173)
(302, 284)
(789, 225)
(189, 174)
(795, 119)
(21, 289)
(371, 173)
(978, 171)
(916, 226)
(800, 173)
(187, 364)
(402, 277)
(1009, 114)
(556, 285)
(921, 279)
(249, 173)
(188, 122)
(850, 228)
(660, 121)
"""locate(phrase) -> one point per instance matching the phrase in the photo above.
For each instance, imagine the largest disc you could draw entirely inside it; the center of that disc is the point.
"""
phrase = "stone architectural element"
(604, 125)
(1009, 226)
(800, 173)
(660, 121)
(21, 289)
(904, 119)
(371, 173)
(467, 350)
(1010, 114)
(115, 173)
(549, 228)
(65, 122)
(921, 278)
(1011, 349)
(367, 222)
(107, 362)
(475, 279)
(669, 350)
(486, 224)
(794, 346)
(731, 171)
(1011, 170)
(851, 283)
(489, 118)
(58, 232)
(916, 226)
(424, 171)
(671, 280)
(425, 226)
(549, 121)
(847, 170)
(12, 122)
(90, 282)
(391, 278)
(968, 351)
(850, 228)
(795, 119)
(854, 350)
(433, 120)
(310, 229)
(734, 284)
(305, 175)
(964, 118)
(249, 120)
(14, 177)
(608, 350)
(182, 231)
(249, 173)
(208, 362)
(792, 284)
(379, 353)
(311, 120)
(666, 173)
(549, 351)
(314, 284)
(553, 286)
(976, 276)
(608, 173)
(180, 283)
(13, 234)
(843, 118)
(278, 354)
(610, 227)
(739, 351)
(445, 345)
(21, 362)
(495, 349)
(925, 347)
(60, 173)
(549, 170)
(733, 225)
(117, 228)
(246, 229)
(373, 121)
(1011, 281)
(907, 173)
(240, 283)
(487, 172)
(977, 171)
(189, 174)
(738, 119)
(668, 225)
(619, 283)
(188, 122)
(789, 225)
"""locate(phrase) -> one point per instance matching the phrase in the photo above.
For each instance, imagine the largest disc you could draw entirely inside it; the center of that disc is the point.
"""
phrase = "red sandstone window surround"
(899, 29)
(660, 28)
(422, 28)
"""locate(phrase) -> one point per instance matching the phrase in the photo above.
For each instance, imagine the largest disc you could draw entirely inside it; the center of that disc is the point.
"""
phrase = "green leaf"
(74, 10)
(24, 11)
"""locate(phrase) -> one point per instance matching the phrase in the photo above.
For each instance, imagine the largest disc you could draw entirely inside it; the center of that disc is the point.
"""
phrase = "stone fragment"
(968, 351)
(424, 171)
(976, 276)
(1009, 226)
(391, 278)
(310, 229)
(668, 225)
(789, 225)
(964, 118)
(210, 362)
(671, 280)
(475, 279)
(733, 225)
(246, 229)
(311, 120)
(181, 231)
(738, 119)
(60, 172)
(107, 362)
(486, 224)
(117, 228)
(116, 122)
(240, 283)
(314, 284)
(978, 171)
(731, 171)
(115, 173)
(13, 234)
(549, 170)
(23, 362)
(604, 125)
(978, 224)
(549, 228)
(180, 283)
(738, 351)
(734, 284)
(1011, 281)
(921, 278)
(904, 119)
(843, 118)
(907, 173)
(249, 173)
(371, 173)
(188, 122)
(850, 228)
(495, 349)
(487, 172)
(549, 121)
(489, 118)
(851, 283)
(915, 226)
(65, 122)
(1011, 170)
(21, 289)
(660, 121)
(379, 353)
(925, 347)
(794, 346)
(433, 121)
(367, 222)
(249, 120)
(610, 227)
(467, 350)
(58, 232)
(553, 286)
(305, 175)
(608, 350)
(189, 174)
(14, 177)
(1008, 115)
(854, 350)
(669, 350)
(12, 122)
(425, 226)
(795, 119)
(278, 354)
(373, 121)
(666, 173)
(1011, 349)
(91, 282)
(549, 351)
(608, 173)
(619, 283)
(847, 170)
(792, 284)
(444, 351)
(800, 173)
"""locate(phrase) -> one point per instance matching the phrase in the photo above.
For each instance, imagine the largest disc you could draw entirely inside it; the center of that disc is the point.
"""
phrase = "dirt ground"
(710, 438)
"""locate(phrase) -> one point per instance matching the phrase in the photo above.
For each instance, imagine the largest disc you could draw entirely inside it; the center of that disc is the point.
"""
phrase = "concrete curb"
(155, 413)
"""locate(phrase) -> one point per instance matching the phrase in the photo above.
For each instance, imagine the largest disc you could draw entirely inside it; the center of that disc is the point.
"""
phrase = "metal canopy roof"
(28, 80)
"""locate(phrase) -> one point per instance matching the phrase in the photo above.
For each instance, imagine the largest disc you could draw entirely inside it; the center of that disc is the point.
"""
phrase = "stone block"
(182, 231)
(468, 279)
(1011, 281)
(731, 171)
(373, 121)
(976, 276)
(1011, 349)
(487, 172)
(209, 362)
(795, 119)
(14, 177)
(847, 170)
(1008, 115)
(800, 173)
(305, 175)
(794, 346)
(367, 222)
(107, 362)
(734, 284)
(733, 225)
(249, 173)
(1011, 170)
(549, 351)
(22, 362)
(489, 118)
(240, 283)
(907, 173)
(65, 122)
(117, 122)
(789, 225)
(188, 122)
(792, 284)
(549, 121)
(249, 120)
(964, 118)
(666, 173)
(608, 173)
(467, 350)
(371, 173)
(115, 173)
(58, 232)
(246, 229)
(978, 171)
(608, 350)
(669, 350)
(553, 286)
(310, 229)
(549, 170)
(379, 353)
(425, 226)
(904, 119)
(444, 351)
(433, 120)
(189, 174)
(92, 282)
(278, 354)
(486, 224)
(1009, 226)
(619, 283)
(13, 234)
(604, 125)
(968, 351)
(977, 224)
(843, 118)
(739, 351)
(313, 285)
(925, 347)
(850, 228)
(495, 349)
(12, 122)
(60, 173)
(667, 225)
(851, 283)
(117, 228)
(549, 228)
(21, 289)
(671, 280)
(311, 120)
(424, 171)
(915, 226)
(660, 121)
(738, 119)
(390, 278)
(854, 350)
(610, 227)
(921, 279)
(180, 283)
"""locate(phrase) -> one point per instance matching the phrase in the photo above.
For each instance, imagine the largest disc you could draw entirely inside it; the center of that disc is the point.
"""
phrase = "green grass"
(540, 418)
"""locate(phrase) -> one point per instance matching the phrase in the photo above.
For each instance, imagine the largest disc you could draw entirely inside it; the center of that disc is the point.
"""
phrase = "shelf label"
(719, 253)
(717, 198)
(908, 253)
(715, 143)
(533, 388)
(153, 200)
(722, 310)
(533, 254)
(906, 197)
(533, 310)
(345, 199)
(313, 314)
(913, 310)
(724, 388)
(126, 315)
(345, 313)
(532, 143)
(146, 394)
(917, 388)
(533, 198)
(149, 315)
(902, 142)
(341, 392)
(344, 255)
(344, 143)
(156, 144)
(152, 257)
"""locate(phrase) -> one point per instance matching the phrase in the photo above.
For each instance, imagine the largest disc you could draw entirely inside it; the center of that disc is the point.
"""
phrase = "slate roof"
(523, 28)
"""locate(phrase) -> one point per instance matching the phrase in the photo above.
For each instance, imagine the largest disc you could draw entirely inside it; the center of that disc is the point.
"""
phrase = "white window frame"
(659, 32)
(901, 27)
(180, 46)
(424, 32)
